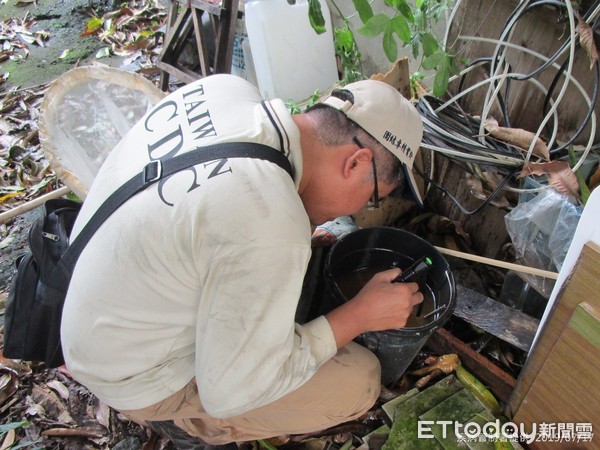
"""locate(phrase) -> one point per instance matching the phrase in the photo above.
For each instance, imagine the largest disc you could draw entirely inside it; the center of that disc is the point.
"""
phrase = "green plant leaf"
(375, 25)
(390, 47)
(420, 20)
(399, 26)
(363, 8)
(28, 445)
(266, 444)
(315, 16)
(344, 38)
(94, 24)
(415, 46)
(429, 44)
(433, 61)
(403, 9)
(583, 188)
(4, 428)
(440, 82)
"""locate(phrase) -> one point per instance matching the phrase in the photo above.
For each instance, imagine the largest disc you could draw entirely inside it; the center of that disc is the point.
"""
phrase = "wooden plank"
(225, 36)
(211, 8)
(222, 17)
(186, 77)
(567, 388)
(200, 43)
(499, 382)
(171, 20)
(583, 284)
(498, 319)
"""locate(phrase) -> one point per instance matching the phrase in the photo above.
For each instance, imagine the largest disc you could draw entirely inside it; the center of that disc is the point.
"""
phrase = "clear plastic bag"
(541, 231)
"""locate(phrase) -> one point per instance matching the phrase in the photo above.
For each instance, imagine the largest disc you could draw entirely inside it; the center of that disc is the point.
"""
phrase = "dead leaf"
(94, 25)
(21, 368)
(103, 53)
(9, 383)
(444, 226)
(478, 191)
(517, 137)
(9, 439)
(51, 405)
(559, 173)
(59, 388)
(586, 39)
(102, 414)
(34, 409)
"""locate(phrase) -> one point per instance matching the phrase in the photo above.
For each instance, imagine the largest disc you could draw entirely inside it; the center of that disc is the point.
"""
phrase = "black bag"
(39, 286)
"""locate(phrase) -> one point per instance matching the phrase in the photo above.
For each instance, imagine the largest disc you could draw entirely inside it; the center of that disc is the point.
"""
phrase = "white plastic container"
(291, 60)
(241, 60)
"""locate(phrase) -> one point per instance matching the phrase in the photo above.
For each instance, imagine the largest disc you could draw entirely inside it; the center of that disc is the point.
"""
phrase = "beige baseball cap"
(385, 114)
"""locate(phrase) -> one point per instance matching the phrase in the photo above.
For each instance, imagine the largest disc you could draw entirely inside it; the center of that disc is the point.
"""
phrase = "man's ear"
(358, 162)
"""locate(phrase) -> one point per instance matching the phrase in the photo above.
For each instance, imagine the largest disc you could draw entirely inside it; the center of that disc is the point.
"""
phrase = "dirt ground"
(64, 20)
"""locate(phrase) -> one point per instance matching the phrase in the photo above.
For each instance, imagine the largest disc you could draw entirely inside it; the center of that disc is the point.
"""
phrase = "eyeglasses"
(374, 202)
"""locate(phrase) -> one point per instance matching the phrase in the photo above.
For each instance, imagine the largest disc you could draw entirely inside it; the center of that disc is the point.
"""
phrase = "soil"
(16, 247)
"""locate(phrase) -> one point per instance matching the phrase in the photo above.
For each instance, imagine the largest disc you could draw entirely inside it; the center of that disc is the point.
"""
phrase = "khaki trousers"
(343, 389)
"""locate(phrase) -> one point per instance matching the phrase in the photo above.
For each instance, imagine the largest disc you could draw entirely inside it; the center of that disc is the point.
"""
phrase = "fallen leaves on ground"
(16, 37)
(129, 30)
(47, 409)
(24, 170)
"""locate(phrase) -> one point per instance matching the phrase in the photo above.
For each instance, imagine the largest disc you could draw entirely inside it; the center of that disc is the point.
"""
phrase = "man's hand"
(380, 305)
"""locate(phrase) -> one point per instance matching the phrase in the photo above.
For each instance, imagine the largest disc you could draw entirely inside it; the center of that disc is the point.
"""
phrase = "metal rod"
(429, 314)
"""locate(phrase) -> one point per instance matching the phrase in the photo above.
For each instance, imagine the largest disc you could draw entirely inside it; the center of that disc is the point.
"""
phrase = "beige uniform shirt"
(200, 274)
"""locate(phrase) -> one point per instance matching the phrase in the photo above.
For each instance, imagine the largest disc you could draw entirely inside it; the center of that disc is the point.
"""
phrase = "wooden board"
(498, 319)
(500, 383)
(567, 388)
(583, 285)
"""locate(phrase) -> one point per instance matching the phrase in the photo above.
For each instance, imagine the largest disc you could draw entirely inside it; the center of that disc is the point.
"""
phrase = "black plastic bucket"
(358, 255)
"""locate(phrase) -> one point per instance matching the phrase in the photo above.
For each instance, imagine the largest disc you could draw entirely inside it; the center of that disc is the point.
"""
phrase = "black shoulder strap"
(158, 170)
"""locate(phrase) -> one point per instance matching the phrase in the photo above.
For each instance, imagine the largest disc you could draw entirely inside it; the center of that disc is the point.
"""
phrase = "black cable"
(503, 104)
(456, 122)
(514, 17)
(588, 115)
(594, 98)
(465, 211)
(552, 59)
(453, 129)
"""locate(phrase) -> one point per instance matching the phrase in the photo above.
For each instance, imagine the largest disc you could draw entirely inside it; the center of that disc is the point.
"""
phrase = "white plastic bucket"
(291, 60)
